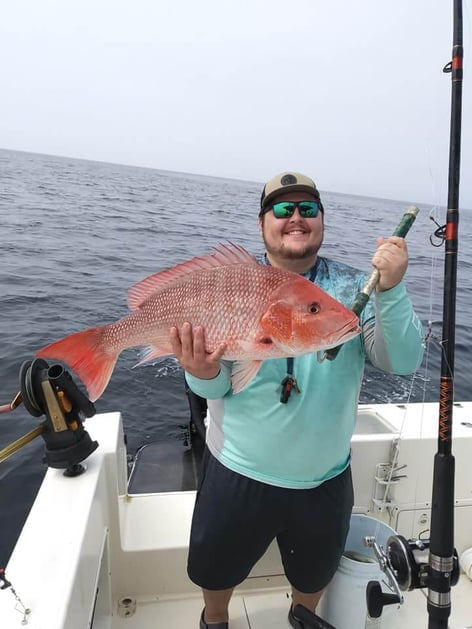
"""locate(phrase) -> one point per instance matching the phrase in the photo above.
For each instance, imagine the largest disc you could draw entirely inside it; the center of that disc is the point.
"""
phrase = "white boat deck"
(268, 610)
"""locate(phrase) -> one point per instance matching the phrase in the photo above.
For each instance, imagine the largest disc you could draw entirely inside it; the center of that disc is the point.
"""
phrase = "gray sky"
(350, 92)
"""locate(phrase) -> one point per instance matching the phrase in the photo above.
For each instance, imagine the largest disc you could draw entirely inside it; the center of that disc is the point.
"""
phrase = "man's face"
(294, 237)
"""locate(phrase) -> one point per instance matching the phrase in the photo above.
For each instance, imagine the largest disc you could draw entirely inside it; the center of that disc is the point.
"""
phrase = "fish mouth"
(347, 332)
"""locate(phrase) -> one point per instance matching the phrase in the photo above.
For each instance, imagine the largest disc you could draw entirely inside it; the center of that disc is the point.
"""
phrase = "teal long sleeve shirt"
(307, 441)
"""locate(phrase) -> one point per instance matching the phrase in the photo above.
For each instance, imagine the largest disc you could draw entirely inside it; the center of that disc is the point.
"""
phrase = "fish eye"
(314, 307)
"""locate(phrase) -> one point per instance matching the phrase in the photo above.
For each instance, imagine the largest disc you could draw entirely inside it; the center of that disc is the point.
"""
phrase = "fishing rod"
(433, 563)
(441, 552)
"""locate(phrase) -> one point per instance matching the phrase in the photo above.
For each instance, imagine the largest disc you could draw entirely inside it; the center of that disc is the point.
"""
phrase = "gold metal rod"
(13, 447)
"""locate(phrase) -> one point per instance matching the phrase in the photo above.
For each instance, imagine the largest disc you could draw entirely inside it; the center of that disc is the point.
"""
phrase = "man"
(277, 463)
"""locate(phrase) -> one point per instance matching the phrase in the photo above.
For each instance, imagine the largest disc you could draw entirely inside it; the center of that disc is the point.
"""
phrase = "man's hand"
(391, 259)
(188, 345)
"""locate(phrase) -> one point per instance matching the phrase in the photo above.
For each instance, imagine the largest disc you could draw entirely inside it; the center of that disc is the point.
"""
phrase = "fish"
(260, 311)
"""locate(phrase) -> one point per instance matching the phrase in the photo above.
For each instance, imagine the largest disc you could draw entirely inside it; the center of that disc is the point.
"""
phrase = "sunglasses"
(286, 209)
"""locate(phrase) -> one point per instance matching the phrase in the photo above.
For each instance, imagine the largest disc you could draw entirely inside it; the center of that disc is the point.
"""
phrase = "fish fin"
(225, 255)
(150, 353)
(86, 355)
(242, 373)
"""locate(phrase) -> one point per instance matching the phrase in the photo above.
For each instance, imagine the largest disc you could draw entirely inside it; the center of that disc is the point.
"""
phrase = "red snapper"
(259, 311)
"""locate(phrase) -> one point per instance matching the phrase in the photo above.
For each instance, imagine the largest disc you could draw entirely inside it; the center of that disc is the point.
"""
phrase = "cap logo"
(288, 180)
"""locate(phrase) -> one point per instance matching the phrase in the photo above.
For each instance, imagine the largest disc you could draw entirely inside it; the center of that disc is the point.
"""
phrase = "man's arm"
(394, 342)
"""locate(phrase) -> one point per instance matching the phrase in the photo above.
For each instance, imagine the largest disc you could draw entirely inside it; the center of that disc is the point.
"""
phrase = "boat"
(106, 549)
(103, 548)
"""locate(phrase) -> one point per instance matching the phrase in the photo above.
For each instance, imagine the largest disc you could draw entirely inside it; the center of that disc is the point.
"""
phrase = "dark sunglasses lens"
(285, 209)
(308, 209)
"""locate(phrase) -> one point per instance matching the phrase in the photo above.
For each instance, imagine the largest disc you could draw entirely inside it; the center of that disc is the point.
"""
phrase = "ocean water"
(76, 234)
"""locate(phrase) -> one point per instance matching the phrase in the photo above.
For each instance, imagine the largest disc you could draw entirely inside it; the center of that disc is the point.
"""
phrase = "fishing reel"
(407, 565)
(50, 391)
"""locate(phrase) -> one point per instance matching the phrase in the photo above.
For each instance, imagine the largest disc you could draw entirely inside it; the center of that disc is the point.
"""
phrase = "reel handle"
(376, 599)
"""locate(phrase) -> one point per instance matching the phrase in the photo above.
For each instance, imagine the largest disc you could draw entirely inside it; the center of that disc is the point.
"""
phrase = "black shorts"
(236, 518)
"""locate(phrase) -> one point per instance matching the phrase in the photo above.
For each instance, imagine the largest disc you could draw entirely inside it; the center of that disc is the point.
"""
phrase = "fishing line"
(386, 506)
(430, 338)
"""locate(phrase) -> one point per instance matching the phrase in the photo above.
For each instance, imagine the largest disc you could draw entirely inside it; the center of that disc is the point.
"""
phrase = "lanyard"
(289, 383)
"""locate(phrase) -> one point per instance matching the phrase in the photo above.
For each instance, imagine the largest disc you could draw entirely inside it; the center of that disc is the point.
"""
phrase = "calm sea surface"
(76, 234)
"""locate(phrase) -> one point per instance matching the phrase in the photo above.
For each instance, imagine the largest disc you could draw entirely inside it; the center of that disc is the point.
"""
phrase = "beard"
(306, 253)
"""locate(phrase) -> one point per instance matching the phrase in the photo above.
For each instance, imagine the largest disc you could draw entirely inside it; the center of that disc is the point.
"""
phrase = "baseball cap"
(288, 182)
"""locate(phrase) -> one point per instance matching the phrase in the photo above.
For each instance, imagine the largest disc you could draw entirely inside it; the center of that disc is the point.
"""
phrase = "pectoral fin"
(151, 353)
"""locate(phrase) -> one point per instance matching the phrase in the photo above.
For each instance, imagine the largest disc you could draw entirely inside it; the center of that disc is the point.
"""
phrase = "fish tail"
(88, 356)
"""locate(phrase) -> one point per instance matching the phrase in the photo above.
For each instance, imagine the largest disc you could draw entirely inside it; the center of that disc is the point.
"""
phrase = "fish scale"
(204, 299)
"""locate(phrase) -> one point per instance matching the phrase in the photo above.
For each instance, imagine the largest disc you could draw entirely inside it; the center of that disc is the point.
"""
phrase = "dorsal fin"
(224, 255)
